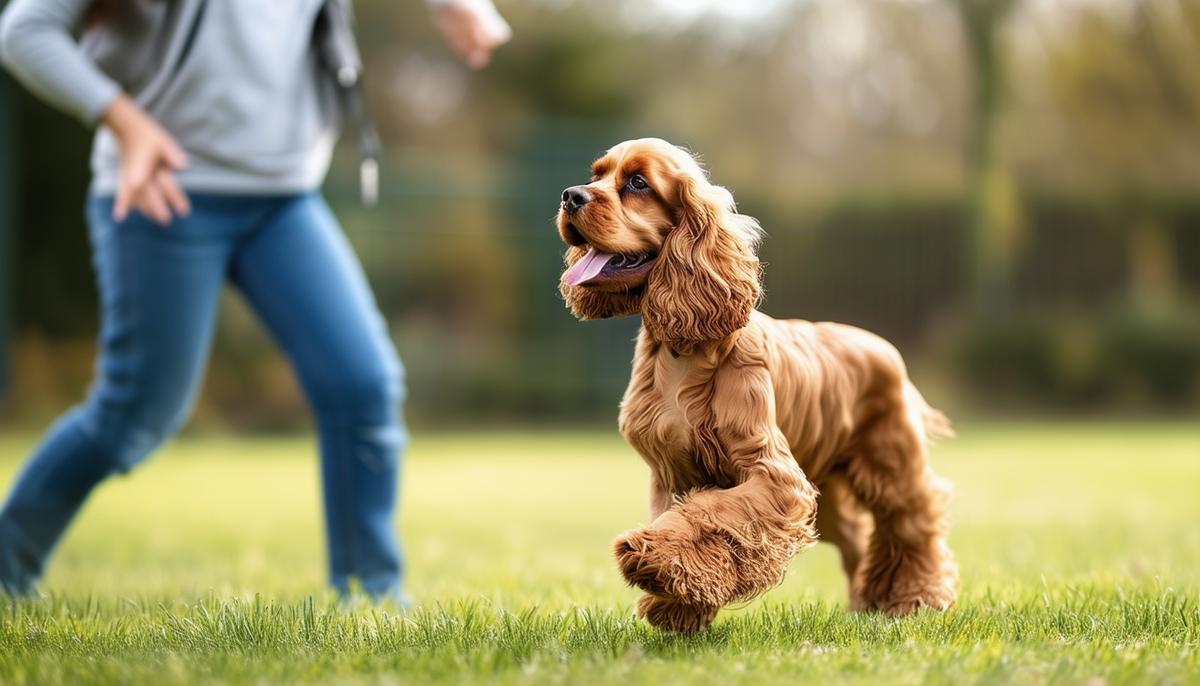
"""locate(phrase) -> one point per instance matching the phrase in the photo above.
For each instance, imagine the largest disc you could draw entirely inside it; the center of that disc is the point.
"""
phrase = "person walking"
(217, 122)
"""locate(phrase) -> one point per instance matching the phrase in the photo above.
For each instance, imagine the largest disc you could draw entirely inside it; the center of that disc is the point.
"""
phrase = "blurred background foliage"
(1008, 189)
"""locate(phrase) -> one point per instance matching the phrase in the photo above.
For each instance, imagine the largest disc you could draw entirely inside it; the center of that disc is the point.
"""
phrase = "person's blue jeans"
(160, 288)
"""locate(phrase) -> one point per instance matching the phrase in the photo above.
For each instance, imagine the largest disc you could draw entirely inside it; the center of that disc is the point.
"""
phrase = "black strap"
(333, 37)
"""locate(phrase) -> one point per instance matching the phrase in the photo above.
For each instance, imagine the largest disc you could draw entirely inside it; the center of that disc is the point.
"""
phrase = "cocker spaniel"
(761, 435)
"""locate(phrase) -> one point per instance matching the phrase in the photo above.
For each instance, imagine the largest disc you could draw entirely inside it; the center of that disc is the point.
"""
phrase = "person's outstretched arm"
(473, 28)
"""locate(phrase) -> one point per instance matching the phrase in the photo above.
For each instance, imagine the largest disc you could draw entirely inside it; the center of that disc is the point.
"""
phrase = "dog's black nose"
(575, 197)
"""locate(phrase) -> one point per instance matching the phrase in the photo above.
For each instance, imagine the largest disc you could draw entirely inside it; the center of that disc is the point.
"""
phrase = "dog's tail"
(934, 422)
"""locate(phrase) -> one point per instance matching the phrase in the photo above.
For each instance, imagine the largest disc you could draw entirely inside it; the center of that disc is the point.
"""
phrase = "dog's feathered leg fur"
(717, 545)
(908, 564)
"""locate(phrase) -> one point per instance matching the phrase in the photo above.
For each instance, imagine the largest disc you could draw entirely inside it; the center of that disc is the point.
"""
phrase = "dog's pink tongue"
(586, 268)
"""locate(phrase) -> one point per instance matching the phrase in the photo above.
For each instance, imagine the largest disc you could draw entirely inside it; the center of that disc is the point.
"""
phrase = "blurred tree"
(992, 202)
(1121, 95)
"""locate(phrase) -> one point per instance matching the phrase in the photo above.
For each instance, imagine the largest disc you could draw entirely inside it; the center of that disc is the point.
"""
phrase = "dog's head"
(650, 234)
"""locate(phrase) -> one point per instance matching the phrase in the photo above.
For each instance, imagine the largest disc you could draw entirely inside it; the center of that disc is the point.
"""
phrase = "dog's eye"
(637, 182)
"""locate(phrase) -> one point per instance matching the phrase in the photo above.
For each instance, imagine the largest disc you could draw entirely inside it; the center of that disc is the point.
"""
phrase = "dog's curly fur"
(761, 435)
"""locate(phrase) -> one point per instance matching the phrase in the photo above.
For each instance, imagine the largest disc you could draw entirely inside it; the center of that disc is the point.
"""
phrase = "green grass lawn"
(1079, 546)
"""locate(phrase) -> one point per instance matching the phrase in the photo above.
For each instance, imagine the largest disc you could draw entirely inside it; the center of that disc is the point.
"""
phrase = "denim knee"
(362, 398)
(129, 429)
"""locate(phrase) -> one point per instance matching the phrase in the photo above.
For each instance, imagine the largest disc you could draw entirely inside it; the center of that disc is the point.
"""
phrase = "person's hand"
(472, 28)
(149, 160)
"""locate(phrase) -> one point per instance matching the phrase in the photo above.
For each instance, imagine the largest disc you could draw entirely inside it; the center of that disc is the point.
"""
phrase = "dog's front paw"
(672, 615)
(680, 562)
(638, 565)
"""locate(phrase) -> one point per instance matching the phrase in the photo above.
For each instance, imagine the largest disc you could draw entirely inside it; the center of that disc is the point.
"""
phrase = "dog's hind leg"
(908, 564)
(843, 521)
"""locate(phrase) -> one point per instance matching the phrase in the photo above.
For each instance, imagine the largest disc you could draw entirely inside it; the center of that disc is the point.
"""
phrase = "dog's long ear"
(586, 303)
(706, 280)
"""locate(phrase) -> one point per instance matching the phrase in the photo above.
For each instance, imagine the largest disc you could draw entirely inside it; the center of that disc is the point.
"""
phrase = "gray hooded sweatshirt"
(236, 82)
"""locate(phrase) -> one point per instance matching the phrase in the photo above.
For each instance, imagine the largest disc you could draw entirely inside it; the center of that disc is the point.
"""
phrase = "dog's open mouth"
(596, 267)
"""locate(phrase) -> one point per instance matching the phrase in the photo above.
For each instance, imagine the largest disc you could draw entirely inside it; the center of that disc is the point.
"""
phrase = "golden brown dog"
(761, 435)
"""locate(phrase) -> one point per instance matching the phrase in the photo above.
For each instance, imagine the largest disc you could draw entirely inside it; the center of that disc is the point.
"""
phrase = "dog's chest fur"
(654, 420)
